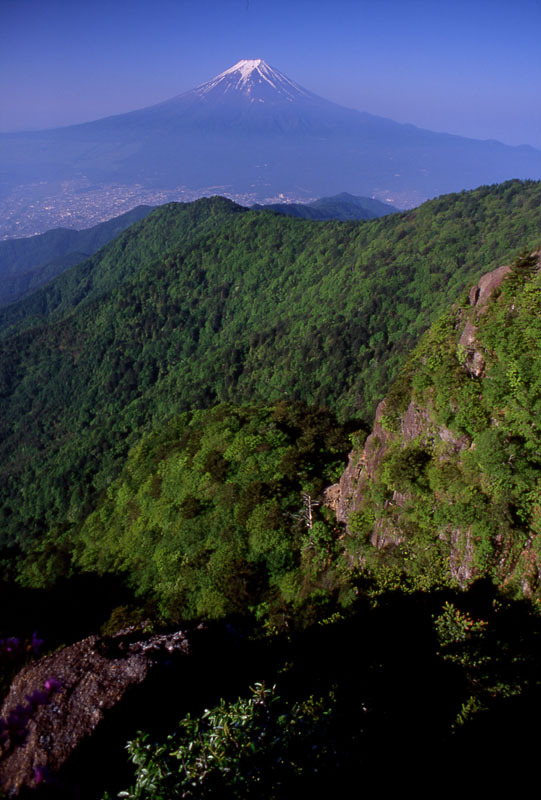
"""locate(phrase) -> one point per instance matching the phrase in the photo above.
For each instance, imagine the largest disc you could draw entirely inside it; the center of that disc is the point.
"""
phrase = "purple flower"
(13, 644)
(41, 775)
(53, 685)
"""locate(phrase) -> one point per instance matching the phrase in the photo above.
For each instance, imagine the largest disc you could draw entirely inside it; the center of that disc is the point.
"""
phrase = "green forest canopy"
(208, 302)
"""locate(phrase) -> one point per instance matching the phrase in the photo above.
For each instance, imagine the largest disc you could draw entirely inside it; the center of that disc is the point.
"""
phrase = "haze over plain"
(468, 69)
(227, 137)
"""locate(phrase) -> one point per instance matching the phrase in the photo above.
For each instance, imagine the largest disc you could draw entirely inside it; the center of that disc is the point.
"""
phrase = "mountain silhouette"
(253, 132)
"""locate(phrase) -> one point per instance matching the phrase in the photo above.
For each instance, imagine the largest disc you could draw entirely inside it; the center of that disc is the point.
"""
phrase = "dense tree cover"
(209, 302)
(144, 243)
(208, 516)
(26, 264)
(470, 493)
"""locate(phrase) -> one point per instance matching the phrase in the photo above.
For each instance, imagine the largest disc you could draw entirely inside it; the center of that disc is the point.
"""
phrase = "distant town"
(34, 208)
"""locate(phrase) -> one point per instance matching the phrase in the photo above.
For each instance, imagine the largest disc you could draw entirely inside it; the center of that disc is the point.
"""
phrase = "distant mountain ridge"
(343, 206)
(26, 264)
(253, 134)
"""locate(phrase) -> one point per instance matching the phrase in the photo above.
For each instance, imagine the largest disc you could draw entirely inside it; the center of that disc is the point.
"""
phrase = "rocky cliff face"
(58, 701)
(445, 483)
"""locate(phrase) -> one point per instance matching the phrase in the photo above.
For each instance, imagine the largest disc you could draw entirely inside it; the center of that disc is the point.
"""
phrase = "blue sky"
(471, 68)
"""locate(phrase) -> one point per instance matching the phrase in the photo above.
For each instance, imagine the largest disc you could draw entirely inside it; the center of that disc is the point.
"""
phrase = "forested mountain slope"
(210, 302)
(26, 264)
(445, 490)
(170, 227)
(208, 517)
(447, 487)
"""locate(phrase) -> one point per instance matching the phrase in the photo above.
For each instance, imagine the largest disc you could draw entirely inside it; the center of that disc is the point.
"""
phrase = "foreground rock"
(58, 701)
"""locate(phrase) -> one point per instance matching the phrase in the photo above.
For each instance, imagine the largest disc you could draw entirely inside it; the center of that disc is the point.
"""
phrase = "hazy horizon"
(471, 71)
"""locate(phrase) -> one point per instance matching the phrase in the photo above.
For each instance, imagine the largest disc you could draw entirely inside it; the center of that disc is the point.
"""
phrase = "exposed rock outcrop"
(461, 556)
(347, 495)
(56, 702)
(479, 297)
(361, 467)
(481, 293)
(418, 428)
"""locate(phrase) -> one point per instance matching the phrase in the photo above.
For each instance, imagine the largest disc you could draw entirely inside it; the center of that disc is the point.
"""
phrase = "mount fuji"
(254, 134)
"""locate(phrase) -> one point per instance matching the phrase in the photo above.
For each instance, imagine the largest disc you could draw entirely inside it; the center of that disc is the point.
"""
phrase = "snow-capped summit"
(251, 98)
(256, 81)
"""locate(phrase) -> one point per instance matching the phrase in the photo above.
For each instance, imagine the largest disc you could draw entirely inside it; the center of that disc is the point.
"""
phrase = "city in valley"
(30, 209)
